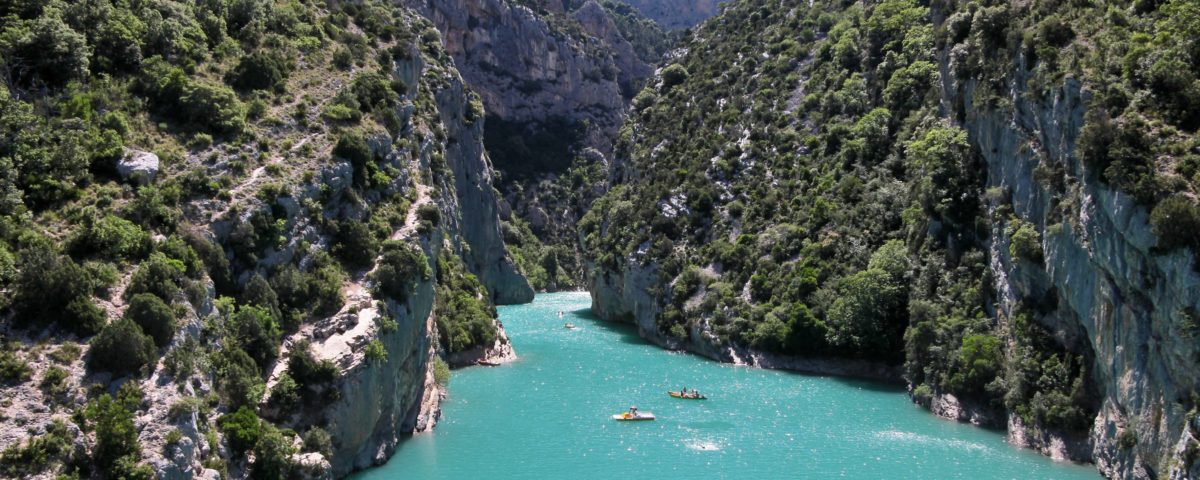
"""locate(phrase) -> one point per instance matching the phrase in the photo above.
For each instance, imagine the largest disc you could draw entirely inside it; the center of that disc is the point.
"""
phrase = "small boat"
(687, 396)
(633, 417)
(487, 363)
(569, 326)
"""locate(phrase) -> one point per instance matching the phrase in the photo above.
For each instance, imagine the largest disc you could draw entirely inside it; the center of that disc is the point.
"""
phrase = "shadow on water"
(869, 385)
(627, 333)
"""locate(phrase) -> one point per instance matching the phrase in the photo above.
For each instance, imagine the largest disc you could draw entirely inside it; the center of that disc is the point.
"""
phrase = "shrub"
(441, 371)
(272, 455)
(257, 332)
(13, 368)
(399, 269)
(979, 361)
(159, 275)
(116, 435)
(260, 70)
(242, 428)
(112, 237)
(260, 294)
(316, 439)
(429, 213)
(306, 369)
(45, 275)
(237, 377)
(155, 317)
(354, 244)
(33, 457)
(86, 317)
(1026, 242)
(1176, 222)
(376, 352)
(673, 75)
(122, 348)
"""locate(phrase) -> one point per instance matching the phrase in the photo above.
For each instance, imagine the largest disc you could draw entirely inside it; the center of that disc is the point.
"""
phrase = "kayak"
(628, 417)
(689, 396)
(569, 326)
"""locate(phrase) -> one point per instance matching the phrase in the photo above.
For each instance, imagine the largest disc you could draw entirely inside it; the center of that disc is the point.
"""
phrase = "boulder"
(138, 165)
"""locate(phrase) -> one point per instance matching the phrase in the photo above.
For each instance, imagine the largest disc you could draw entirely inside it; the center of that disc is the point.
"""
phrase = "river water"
(548, 416)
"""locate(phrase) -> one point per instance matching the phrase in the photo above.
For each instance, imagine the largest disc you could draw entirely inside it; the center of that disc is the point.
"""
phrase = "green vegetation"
(122, 348)
(154, 317)
(797, 181)
(465, 317)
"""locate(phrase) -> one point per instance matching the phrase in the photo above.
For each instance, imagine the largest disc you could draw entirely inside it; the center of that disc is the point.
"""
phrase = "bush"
(116, 435)
(376, 352)
(112, 237)
(13, 368)
(316, 439)
(354, 244)
(237, 377)
(242, 429)
(155, 317)
(1176, 222)
(441, 372)
(429, 213)
(45, 275)
(260, 70)
(272, 455)
(257, 332)
(399, 269)
(1026, 242)
(122, 348)
(673, 75)
(86, 317)
(159, 275)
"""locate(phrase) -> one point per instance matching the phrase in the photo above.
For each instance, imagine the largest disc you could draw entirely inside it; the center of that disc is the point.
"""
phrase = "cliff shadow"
(626, 333)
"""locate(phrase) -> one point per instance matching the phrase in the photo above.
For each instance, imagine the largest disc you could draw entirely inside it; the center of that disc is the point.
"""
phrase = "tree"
(673, 75)
(159, 275)
(261, 70)
(979, 361)
(117, 449)
(242, 428)
(1176, 222)
(399, 269)
(865, 316)
(154, 316)
(122, 348)
(257, 332)
(49, 50)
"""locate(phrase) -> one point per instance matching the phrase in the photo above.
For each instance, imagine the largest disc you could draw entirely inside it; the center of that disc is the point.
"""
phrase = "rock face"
(473, 211)
(141, 167)
(1122, 300)
(674, 14)
(527, 69)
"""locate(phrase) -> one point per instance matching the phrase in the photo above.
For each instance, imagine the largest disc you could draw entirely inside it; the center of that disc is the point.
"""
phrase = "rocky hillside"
(994, 202)
(236, 240)
(677, 14)
(555, 78)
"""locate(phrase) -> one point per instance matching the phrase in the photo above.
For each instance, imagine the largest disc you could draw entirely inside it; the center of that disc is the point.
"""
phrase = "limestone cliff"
(675, 14)
(530, 66)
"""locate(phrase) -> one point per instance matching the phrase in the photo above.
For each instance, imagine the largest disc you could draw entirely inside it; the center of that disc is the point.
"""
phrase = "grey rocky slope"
(347, 360)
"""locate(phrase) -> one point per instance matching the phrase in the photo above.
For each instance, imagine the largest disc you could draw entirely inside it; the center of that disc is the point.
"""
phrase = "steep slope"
(676, 14)
(276, 290)
(555, 80)
(985, 199)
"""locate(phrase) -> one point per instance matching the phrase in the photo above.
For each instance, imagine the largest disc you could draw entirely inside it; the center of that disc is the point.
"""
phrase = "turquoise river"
(547, 415)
